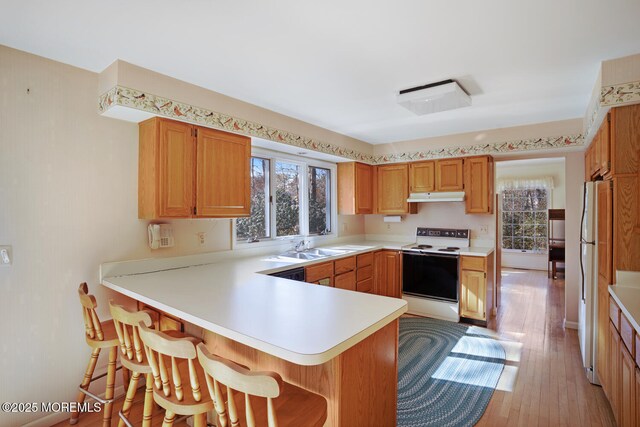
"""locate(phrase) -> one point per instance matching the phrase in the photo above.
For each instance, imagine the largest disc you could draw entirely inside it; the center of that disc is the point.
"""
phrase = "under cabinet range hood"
(440, 196)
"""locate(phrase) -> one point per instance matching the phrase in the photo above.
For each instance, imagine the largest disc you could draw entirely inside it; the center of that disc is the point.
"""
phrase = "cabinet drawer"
(365, 272)
(365, 259)
(346, 281)
(319, 271)
(473, 263)
(365, 285)
(626, 333)
(614, 313)
(345, 264)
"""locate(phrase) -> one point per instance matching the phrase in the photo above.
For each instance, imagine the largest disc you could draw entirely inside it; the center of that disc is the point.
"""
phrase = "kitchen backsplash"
(440, 215)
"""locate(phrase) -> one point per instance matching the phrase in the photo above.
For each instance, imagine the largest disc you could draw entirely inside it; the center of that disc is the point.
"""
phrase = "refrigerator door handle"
(584, 242)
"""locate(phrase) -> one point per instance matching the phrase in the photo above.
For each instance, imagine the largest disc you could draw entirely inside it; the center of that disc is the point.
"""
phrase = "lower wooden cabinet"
(613, 384)
(627, 416)
(162, 320)
(345, 281)
(364, 272)
(476, 287)
(637, 387)
(321, 274)
(387, 273)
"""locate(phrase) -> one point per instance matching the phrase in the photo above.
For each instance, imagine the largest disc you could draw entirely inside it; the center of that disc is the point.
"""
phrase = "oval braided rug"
(446, 373)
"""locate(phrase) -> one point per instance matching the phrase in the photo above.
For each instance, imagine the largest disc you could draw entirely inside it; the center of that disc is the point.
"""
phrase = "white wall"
(529, 169)
(574, 177)
(440, 215)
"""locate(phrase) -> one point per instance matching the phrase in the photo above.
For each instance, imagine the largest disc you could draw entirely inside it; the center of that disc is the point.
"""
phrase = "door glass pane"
(287, 199)
(256, 225)
(319, 200)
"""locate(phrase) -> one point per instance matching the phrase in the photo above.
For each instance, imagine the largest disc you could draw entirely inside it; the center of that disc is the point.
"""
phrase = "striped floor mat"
(446, 373)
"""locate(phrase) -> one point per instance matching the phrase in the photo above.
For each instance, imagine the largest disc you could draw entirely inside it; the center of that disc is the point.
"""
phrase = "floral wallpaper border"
(611, 96)
(132, 98)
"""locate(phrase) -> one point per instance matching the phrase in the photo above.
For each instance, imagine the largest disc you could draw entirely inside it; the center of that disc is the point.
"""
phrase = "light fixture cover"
(434, 97)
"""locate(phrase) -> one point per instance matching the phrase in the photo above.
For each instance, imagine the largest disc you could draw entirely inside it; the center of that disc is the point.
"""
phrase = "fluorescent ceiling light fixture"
(434, 97)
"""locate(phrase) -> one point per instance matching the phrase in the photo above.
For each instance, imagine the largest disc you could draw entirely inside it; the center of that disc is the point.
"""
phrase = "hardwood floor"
(550, 387)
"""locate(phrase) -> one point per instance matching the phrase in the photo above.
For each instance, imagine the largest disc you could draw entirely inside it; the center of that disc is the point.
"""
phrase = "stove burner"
(450, 249)
(422, 247)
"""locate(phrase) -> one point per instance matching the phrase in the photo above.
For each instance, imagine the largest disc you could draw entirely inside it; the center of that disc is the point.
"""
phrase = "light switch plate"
(6, 255)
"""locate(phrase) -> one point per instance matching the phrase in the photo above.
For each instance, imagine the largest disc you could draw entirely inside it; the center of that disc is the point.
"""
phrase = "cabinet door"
(596, 154)
(449, 175)
(422, 177)
(473, 288)
(223, 187)
(345, 281)
(387, 280)
(637, 404)
(587, 164)
(393, 189)
(613, 359)
(627, 388)
(365, 285)
(605, 229)
(176, 154)
(605, 147)
(603, 368)
(478, 184)
(363, 188)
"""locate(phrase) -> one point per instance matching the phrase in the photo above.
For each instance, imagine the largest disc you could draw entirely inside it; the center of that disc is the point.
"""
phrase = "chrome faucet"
(299, 247)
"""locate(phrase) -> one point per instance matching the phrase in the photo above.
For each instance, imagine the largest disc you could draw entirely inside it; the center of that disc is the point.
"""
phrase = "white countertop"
(627, 295)
(477, 251)
(299, 322)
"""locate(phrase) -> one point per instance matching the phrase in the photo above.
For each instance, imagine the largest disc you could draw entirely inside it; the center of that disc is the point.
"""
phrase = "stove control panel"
(442, 232)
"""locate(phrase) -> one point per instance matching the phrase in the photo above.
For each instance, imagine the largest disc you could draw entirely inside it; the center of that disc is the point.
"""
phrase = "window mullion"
(303, 182)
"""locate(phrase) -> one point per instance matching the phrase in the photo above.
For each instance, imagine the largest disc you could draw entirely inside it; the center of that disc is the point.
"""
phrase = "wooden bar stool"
(99, 335)
(264, 396)
(133, 357)
(172, 362)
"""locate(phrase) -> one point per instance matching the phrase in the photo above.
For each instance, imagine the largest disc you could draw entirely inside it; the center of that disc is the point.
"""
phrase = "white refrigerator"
(588, 310)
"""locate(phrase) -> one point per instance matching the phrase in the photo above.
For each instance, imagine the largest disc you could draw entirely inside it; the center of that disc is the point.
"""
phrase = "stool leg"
(148, 401)
(126, 377)
(200, 420)
(86, 381)
(169, 417)
(128, 400)
(111, 379)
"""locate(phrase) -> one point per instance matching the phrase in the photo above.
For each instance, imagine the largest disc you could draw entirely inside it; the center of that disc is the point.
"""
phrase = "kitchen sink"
(311, 254)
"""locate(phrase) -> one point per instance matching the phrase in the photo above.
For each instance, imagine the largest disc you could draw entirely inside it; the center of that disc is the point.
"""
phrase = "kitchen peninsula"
(340, 344)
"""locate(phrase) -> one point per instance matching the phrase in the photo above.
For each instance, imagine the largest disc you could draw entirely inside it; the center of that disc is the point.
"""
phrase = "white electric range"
(430, 272)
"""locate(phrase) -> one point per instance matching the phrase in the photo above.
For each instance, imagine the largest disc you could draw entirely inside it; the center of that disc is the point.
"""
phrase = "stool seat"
(295, 407)
(110, 337)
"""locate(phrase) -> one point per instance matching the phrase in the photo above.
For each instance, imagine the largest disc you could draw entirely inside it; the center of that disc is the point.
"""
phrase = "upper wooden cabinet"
(478, 184)
(422, 177)
(449, 175)
(392, 189)
(355, 188)
(189, 171)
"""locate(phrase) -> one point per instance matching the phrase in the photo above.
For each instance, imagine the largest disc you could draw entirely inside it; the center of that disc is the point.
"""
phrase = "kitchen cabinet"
(476, 287)
(188, 171)
(627, 392)
(364, 272)
(345, 281)
(637, 387)
(162, 321)
(613, 360)
(422, 177)
(392, 189)
(449, 174)
(320, 274)
(604, 147)
(355, 188)
(478, 184)
(387, 273)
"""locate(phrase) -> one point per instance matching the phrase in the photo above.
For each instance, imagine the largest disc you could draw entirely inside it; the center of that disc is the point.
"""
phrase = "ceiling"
(339, 64)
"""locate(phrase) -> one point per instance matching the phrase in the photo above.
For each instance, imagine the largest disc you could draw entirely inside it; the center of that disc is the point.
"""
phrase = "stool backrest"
(126, 323)
(234, 377)
(91, 321)
(159, 347)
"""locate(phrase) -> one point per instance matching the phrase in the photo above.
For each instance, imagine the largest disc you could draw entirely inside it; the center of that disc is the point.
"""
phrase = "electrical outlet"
(5, 255)
(201, 238)
(484, 229)
(388, 226)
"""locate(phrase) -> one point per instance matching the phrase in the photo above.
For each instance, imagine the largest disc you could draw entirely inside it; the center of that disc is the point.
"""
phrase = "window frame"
(303, 163)
(526, 251)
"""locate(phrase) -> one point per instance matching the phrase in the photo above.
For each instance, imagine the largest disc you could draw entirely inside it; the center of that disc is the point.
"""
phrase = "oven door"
(430, 275)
